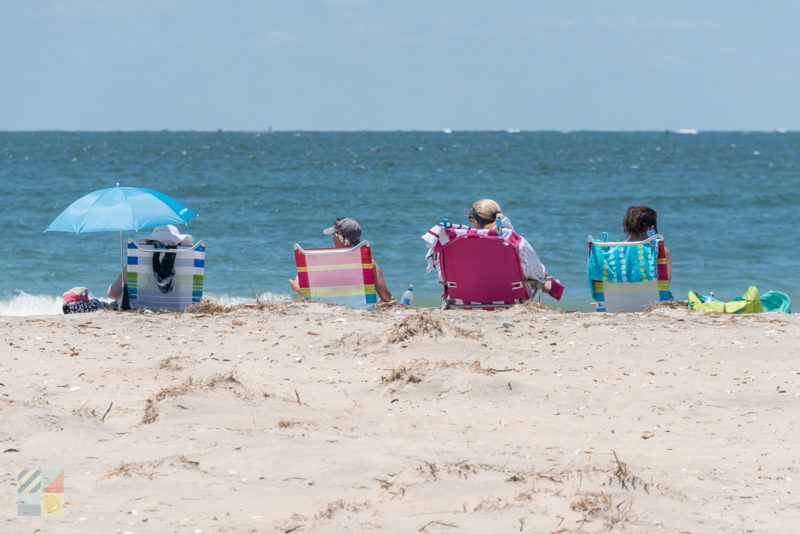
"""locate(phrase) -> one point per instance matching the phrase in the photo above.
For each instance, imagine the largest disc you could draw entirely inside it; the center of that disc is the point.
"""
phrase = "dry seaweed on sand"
(624, 476)
(150, 469)
(275, 306)
(670, 305)
(422, 324)
(383, 306)
(283, 423)
(185, 387)
(534, 306)
(172, 363)
(85, 411)
(400, 374)
(596, 505)
(334, 507)
(261, 303)
(474, 366)
(591, 503)
(405, 373)
(415, 325)
(210, 308)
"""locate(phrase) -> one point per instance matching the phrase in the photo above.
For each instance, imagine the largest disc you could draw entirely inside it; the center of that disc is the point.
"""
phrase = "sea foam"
(24, 304)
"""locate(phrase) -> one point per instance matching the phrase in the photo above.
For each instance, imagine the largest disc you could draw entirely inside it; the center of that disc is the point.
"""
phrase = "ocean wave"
(25, 304)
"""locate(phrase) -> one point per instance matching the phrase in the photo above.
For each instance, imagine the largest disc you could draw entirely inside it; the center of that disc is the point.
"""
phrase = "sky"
(399, 65)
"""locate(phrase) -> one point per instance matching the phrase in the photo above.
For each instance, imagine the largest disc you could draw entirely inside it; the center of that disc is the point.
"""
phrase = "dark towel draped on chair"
(164, 267)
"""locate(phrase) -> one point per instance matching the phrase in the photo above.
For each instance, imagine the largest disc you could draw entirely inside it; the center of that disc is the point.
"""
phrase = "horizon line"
(445, 131)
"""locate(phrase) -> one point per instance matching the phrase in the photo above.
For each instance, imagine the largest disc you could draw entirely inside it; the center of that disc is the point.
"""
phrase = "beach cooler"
(627, 276)
(182, 284)
(481, 269)
(337, 275)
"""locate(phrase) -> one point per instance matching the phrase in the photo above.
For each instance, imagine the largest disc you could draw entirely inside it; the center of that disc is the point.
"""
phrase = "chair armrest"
(533, 284)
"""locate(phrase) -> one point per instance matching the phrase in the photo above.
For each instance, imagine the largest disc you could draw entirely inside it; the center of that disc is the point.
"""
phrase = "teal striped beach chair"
(627, 276)
(177, 286)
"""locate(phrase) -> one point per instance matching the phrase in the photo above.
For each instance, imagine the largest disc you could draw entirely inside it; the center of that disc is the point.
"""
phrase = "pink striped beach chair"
(480, 269)
(337, 275)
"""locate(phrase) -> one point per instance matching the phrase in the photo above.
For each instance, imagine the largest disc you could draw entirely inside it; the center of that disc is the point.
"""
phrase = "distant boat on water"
(685, 131)
(447, 130)
(513, 130)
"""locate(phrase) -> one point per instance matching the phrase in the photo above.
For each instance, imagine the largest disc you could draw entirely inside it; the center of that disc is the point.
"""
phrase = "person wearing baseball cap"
(346, 232)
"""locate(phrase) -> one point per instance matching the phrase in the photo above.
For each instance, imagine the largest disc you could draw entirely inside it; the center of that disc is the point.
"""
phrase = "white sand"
(509, 425)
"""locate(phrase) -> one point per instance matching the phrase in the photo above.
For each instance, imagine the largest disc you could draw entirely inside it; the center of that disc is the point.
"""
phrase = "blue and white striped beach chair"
(186, 287)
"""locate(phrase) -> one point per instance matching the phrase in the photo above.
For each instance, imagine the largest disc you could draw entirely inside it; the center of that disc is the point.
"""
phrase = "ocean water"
(727, 202)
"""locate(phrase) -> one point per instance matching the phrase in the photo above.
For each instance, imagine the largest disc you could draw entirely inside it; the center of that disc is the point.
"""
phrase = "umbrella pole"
(124, 300)
(122, 263)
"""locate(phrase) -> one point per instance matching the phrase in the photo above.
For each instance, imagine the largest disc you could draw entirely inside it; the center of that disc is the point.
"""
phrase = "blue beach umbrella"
(119, 209)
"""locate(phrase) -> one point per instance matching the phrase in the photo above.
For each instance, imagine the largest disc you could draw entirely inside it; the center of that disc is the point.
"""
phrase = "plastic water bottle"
(407, 297)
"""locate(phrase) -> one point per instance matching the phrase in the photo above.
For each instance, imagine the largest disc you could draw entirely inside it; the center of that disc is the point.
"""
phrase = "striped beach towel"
(186, 286)
(337, 275)
(628, 276)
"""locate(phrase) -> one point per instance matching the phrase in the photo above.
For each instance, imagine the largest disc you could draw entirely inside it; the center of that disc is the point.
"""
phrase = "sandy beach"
(314, 418)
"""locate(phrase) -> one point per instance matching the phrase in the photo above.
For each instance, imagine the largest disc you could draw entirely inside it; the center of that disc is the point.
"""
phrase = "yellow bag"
(747, 303)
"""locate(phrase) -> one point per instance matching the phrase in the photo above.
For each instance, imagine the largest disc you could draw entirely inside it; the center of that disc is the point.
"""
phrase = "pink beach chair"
(337, 275)
(479, 269)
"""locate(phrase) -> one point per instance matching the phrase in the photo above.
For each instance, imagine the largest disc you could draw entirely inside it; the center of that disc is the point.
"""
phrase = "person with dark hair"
(639, 220)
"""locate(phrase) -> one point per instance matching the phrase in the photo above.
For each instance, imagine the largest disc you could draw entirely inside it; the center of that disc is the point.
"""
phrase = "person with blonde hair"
(485, 214)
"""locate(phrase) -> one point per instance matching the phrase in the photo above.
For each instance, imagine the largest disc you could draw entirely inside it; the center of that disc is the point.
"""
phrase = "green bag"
(747, 303)
(775, 301)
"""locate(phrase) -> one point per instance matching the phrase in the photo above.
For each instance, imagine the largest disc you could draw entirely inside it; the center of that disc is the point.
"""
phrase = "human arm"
(668, 257)
(380, 284)
(532, 267)
(115, 289)
(295, 285)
